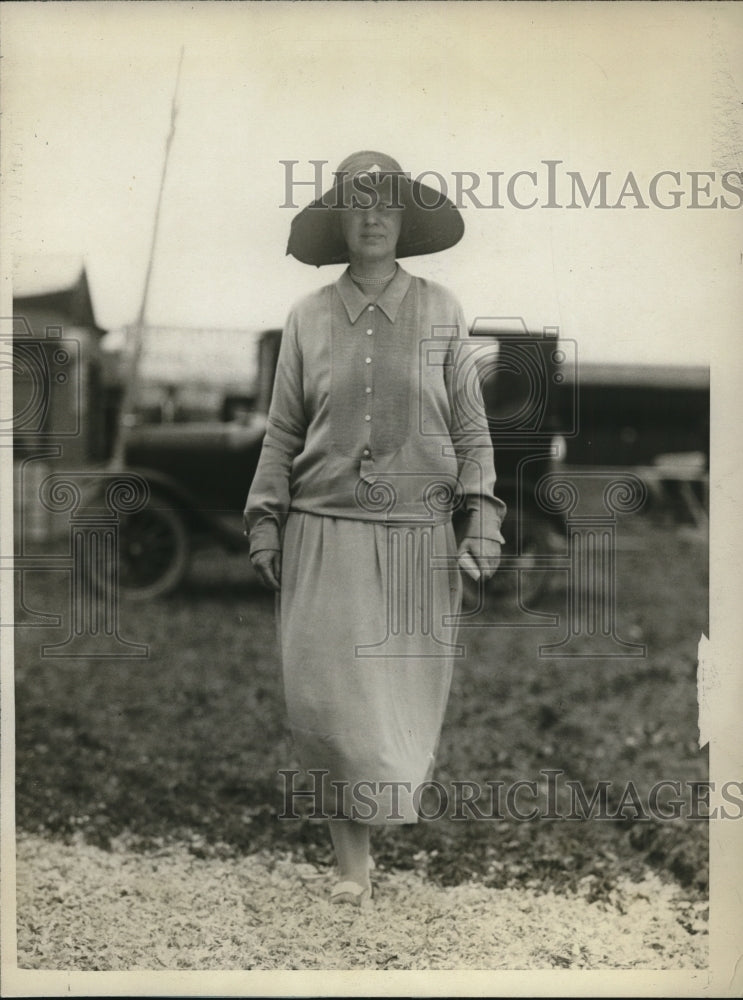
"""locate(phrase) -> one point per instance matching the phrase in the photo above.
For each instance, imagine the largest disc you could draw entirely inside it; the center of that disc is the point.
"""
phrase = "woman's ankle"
(358, 873)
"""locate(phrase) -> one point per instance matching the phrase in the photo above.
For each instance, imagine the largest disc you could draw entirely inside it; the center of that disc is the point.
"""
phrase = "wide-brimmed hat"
(430, 222)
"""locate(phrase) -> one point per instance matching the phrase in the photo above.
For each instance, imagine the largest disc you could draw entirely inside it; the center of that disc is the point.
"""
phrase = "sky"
(479, 87)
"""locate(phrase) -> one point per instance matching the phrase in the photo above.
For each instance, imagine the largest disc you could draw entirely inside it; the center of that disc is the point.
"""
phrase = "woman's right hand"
(267, 564)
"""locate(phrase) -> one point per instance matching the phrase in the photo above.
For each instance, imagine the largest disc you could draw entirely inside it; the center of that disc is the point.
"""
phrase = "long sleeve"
(472, 442)
(269, 497)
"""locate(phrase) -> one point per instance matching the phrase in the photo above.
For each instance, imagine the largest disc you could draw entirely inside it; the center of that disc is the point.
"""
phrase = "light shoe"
(351, 892)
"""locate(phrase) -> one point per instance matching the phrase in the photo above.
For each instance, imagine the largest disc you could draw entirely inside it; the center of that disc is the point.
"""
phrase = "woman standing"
(376, 435)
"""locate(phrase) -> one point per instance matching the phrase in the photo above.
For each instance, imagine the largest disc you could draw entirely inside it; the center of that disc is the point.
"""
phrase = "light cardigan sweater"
(376, 415)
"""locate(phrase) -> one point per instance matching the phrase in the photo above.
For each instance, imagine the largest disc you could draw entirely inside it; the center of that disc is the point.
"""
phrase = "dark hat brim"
(431, 222)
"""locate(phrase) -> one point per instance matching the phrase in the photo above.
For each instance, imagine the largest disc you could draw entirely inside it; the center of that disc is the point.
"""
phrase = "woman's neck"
(373, 270)
(373, 280)
(373, 287)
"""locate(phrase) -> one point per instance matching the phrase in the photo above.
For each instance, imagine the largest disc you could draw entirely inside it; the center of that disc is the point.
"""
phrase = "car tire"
(154, 550)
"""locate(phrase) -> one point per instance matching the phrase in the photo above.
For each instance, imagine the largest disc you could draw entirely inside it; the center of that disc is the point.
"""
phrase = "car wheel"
(154, 550)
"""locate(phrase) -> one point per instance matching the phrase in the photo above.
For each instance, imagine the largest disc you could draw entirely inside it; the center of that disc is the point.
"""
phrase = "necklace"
(373, 281)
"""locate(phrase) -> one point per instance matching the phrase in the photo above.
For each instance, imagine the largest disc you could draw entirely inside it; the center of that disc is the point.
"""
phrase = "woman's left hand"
(485, 551)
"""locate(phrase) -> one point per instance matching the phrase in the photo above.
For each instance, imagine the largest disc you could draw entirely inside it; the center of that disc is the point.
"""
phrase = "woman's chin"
(373, 253)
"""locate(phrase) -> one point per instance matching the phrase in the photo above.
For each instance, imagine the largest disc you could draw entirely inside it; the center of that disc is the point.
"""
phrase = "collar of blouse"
(389, 300)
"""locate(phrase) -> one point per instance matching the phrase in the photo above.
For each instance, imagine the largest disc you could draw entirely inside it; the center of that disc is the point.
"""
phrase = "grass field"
(186, 744)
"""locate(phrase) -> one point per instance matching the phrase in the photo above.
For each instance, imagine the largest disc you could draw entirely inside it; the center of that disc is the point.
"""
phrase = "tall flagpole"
(131, 378)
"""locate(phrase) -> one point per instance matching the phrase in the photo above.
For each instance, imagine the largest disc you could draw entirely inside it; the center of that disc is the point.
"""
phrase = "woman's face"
(371, 234)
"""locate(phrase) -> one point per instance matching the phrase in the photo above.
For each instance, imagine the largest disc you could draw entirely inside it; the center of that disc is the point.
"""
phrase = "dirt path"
(86, 909)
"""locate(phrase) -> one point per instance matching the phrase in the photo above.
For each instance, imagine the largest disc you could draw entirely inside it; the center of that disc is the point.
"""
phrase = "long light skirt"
(368, 649)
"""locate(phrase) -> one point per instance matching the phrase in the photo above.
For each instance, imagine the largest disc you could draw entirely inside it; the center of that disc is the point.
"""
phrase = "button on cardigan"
(375, 415)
